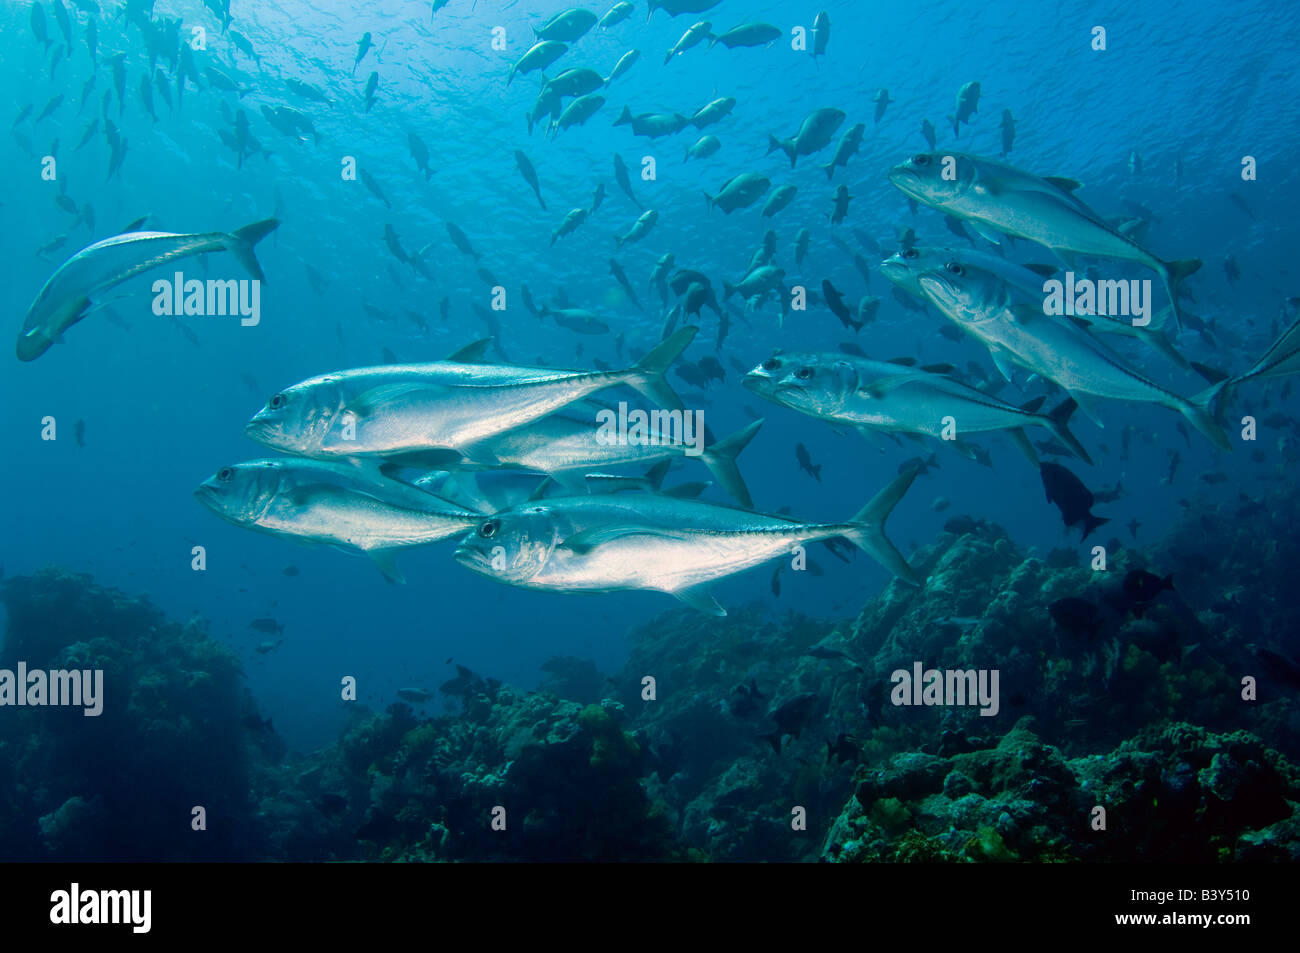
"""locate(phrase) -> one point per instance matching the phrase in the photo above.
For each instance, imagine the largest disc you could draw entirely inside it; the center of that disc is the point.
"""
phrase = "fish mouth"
(471, 559)
(32, 344)
(262, 430)
(904, 177)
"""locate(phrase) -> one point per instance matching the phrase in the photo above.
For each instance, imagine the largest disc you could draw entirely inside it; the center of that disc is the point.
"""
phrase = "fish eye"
(224, 474)
(771, 364)
(954, 269)
(489, 529)
(804, 373)
(911, 253)
(278, 401)
(920, 160)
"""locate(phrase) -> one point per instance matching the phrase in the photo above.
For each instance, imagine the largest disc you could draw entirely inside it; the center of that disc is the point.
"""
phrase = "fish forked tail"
(1091, 523)
(647, 375)
(1059, 418)
(1172, 273)
(720, 458)
(867, 528)
(1201, 413)
(243, 239)
(786, 146)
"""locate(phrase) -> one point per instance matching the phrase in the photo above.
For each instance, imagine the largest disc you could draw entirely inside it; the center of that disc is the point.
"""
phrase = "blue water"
(1204, 83)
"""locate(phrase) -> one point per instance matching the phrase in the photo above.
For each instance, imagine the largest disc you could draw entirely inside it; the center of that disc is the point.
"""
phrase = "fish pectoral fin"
(1089, 409)
(701, 600)
(1062, 183)
(587, 540)
(1002, 361)
(376, 397)
(1025, 313)
(990, 235)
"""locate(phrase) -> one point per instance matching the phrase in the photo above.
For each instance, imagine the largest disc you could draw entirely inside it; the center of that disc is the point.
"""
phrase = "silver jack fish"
(336, 504)
(1055, 349)
(416, 413)
(998, 197)
(890, 397)
(70, 293)
(566, 446)
(645, 541)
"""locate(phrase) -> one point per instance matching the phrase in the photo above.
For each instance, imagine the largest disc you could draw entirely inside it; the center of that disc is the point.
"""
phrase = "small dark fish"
(845, 749)
(331, 805)
(776, 580)
(743, 701)
(1142, 587)
(1109, 494)
(923, 465)
(1215, 476)
(624, 182)
(1174, 461)
(791, 717)
(806, 464)
(1071, 497)
(289, 571)
(1077, 617)
(80, 429)
(1133, 525)
(266, 625)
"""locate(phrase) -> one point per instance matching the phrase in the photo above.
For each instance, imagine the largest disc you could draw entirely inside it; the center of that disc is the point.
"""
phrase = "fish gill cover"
(383, 373)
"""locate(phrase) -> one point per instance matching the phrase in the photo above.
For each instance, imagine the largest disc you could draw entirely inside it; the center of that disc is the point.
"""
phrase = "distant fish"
(968, 100)
(68, 296)
(1071, 497)
(530, 176)
(806, 464)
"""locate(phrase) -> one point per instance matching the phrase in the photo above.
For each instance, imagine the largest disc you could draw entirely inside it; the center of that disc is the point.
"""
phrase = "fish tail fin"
(624, 117)
(1201, 414)
(243, 241)
(830, 170)
(721, 461)
(647, 377)
(867, 528)
(1091, 523)
(1173, 273)
(1059, 427)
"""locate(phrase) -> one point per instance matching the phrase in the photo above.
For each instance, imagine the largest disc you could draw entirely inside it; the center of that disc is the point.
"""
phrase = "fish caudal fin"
(1059, 427)
(868, 528)
(244, 239)
(1091, 523)
(1173, 273)
(1200, 413)
(721, 461)
(647, 377)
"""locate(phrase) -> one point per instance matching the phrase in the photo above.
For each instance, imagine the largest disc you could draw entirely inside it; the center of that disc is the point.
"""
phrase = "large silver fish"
(566, 446)
(645, 541)
(337, 504)
(891, 397)
(425, 414)
(70, 293)
(906, 265)
(1055, 349)
(1000, 197)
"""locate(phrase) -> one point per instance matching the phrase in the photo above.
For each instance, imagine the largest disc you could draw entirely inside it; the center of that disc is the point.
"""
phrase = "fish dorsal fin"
(1062, 183)
(587, 540)
(701, 600)
(540, 492)
(883, 385)
(475, 353)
